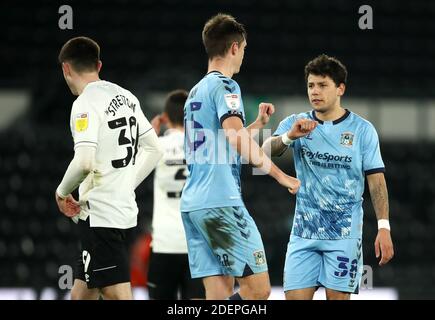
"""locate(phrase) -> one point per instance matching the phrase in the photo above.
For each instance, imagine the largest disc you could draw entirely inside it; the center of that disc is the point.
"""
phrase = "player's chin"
(319, 106)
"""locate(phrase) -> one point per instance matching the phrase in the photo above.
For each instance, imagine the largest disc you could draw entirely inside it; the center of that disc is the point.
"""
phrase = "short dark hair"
(324, 65)
(220, 32)
(174, 106)
(82, 53)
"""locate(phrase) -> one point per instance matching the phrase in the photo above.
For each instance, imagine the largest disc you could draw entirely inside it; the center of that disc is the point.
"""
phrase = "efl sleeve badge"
(81, 122)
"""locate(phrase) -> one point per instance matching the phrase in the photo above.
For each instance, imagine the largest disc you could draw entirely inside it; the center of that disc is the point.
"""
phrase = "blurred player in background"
(223, 240)
(334, 150)
(110, 134)
(169, 275)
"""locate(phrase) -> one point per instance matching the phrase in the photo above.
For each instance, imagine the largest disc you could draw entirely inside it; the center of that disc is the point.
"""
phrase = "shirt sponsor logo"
(232, 101)
(324, 156)
(81, 122)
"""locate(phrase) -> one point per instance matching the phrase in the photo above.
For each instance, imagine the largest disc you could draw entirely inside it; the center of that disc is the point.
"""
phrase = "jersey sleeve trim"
(86, 142)
(376, 170)
(145, 132)
(228, 115)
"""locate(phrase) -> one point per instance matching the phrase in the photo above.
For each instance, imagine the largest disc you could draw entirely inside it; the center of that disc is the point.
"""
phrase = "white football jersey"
(169, 178)
(110, 118)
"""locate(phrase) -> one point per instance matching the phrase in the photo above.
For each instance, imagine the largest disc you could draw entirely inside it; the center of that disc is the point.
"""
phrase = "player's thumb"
(263, 109)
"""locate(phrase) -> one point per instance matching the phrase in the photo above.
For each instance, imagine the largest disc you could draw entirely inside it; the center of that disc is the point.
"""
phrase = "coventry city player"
(334, 150)
(223, 240)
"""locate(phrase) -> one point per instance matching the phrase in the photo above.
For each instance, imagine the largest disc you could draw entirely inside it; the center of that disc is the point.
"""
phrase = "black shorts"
(169, 278)
(104, 258)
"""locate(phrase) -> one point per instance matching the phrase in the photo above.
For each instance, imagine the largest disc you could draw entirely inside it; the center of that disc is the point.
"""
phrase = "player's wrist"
(260, 122)
(60, 195)
(286, 139)
(384, 224)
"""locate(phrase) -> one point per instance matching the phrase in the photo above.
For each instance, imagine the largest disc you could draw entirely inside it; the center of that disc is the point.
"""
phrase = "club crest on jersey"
(233, 101)
(81, 121)
(259, 258)
(347, 139)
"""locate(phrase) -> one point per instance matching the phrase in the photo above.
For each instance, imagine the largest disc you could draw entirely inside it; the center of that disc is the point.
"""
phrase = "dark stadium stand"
(163, 48)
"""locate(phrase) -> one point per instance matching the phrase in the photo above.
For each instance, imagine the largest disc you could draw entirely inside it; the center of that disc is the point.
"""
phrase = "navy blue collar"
(214, 71)
(337, 121)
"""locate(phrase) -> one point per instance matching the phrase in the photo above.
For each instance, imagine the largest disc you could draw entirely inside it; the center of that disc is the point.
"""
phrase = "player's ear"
(341, 89)
(99, 65)
(234, 48)
(66, 69)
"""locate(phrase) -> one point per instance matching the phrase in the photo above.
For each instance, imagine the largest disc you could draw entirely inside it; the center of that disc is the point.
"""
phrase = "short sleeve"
(372, 159)
(285, 125)
(85, 123)
(144, 125)
(228, 100)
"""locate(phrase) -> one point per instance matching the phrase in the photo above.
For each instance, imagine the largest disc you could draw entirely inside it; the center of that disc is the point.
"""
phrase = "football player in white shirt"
(115, 148)
(169, 276)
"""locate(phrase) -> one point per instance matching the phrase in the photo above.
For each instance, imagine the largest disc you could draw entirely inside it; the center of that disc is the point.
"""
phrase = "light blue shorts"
(333, 264)
(223, 241)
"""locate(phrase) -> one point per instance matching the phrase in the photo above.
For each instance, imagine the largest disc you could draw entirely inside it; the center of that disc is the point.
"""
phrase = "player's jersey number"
(128, 137)
(179, 175)
(195, 137)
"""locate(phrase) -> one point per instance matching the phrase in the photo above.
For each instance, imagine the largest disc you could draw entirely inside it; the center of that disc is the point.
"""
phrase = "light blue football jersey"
(331, 163)
(214, 166)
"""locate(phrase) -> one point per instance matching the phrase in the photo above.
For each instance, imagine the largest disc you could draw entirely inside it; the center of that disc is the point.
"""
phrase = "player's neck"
(331, 115)
(221, 65)
(84, 80)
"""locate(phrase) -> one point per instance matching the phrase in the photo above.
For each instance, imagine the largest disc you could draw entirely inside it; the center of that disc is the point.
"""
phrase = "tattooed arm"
(274, 146)
(379, 196)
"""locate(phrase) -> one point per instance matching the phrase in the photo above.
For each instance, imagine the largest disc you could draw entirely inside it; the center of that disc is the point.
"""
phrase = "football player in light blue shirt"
(333, 150)
(223, 240)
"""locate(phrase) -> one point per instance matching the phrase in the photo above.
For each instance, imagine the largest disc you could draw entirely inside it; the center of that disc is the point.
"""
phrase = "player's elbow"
(84, 160)
(266, 144)
(86, 167)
